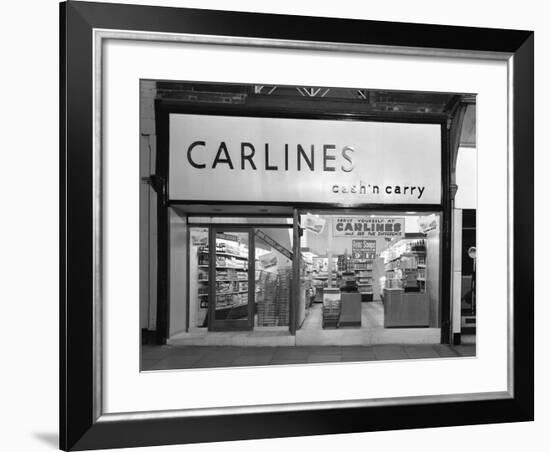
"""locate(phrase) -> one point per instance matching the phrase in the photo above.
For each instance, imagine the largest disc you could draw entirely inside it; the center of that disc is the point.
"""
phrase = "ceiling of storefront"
(354, 100)
(377, 100)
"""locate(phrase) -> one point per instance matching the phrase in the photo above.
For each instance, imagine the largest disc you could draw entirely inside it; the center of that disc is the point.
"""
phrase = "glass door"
(231, 268)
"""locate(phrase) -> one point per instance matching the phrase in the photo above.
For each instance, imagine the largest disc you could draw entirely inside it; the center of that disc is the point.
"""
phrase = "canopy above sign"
(243, 159)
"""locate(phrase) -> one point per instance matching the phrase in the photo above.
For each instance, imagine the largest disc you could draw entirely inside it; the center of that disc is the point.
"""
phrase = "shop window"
(379, 270)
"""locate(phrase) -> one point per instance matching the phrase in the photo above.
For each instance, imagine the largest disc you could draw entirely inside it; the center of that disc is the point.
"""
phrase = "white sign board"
(368, 227)
(223, 158)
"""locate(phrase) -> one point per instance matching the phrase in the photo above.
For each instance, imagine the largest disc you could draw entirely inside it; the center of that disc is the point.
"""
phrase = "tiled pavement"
(196, 357)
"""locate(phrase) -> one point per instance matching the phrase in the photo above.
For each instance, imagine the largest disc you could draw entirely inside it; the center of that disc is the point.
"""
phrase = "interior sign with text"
(363, 249)
(227, 158)
(368, 227)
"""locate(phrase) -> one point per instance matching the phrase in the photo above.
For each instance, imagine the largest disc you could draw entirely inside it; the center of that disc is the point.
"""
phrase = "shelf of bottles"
(405, 266)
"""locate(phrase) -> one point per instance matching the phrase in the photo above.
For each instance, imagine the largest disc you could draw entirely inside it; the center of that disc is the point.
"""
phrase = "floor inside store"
(196, 357)
(371, 332)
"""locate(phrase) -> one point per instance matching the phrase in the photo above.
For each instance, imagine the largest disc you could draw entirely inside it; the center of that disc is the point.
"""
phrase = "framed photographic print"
(285, 225)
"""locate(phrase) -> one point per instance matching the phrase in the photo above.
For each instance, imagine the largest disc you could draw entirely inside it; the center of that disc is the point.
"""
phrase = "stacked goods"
(283, 295)
(243, 287)
(331, 312)
(225, 286)
(225, 247)
(227, 261)
(228, 274)
(267, 311)
(273, 298)
(421, 259)
(203, 255)
(343, 263)
(259, 296)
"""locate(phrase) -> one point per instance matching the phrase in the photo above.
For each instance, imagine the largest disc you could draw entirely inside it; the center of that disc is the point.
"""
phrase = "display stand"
(405, 309)
(350, 312)
(406, 303)
(363, 255)
(331, 307)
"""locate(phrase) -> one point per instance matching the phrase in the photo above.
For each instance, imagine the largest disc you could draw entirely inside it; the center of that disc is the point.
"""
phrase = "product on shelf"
(363, 255)
(331, 308)
(406, 265)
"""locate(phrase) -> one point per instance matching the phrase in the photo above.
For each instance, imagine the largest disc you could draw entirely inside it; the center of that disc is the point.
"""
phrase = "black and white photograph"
(294, 225)
(279, 225)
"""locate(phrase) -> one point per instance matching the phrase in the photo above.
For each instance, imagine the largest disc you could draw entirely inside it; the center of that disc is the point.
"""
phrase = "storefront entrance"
(240, 189)
(231, 270)
(364, 276)
(239, 276)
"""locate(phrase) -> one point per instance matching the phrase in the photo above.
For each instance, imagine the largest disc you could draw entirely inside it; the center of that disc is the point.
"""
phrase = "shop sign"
(428, 223)
(244, 159)
(313, 223)
(363, 249)
(268, 260)
(368, 227)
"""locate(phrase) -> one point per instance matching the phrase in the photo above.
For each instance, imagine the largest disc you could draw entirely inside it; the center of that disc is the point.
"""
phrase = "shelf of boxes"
(233, 269)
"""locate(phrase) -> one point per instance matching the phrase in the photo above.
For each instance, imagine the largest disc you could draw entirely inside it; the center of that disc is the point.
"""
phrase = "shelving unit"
(363, 255)
(232, 287)
(320, 282)
(406, 265)
(406, 302)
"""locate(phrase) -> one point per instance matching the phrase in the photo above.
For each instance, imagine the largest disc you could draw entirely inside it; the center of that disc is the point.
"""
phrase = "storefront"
(296, 217)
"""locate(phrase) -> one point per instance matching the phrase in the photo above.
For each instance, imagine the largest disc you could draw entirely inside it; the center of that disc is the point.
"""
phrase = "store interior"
(358, 285)
(367, 283)
(271, 274)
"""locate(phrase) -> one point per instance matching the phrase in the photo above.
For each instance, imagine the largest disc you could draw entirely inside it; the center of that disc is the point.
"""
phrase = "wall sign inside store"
(368, 227)
(222, 158)
(363, 249)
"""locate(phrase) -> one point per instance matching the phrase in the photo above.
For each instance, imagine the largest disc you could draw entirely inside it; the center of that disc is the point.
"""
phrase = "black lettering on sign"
(421, 190)
(327, 157)
(249, 156)
(309, 161)
(345, 151)
(269, 167)
(219, 159)
(286, 157)
(189, 159)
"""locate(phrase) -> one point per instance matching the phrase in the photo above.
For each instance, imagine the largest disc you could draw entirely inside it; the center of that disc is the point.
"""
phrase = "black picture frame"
(80, 426)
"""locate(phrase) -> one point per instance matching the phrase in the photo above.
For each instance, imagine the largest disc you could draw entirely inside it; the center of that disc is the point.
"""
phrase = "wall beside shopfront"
(466, 178)
(178, 272)
(465, 200)
(148, 209)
